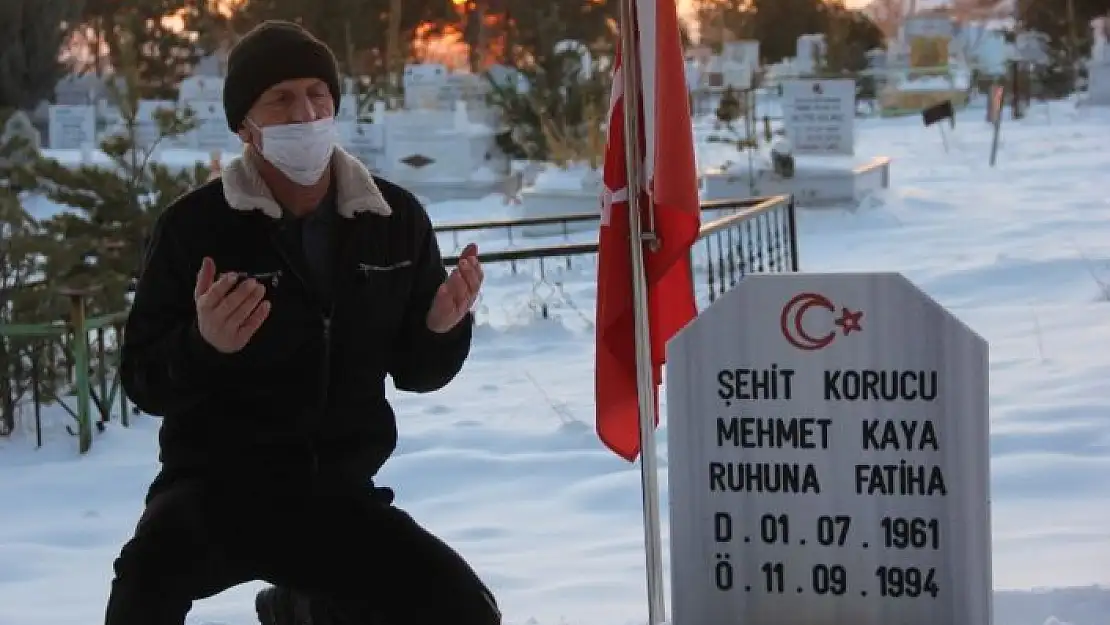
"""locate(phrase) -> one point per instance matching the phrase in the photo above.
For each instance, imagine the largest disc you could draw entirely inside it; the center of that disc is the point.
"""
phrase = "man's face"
(294, 101)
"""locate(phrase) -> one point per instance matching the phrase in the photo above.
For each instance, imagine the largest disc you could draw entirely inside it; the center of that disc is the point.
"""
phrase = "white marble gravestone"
(71, 126)
(829, 457)
(820, 116)
(1098, 69)
(423, 83)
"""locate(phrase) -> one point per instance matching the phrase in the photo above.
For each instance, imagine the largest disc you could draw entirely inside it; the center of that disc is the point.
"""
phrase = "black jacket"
(307, 394)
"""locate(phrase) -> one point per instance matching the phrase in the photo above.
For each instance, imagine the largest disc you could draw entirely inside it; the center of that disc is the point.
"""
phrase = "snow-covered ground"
(504, 463)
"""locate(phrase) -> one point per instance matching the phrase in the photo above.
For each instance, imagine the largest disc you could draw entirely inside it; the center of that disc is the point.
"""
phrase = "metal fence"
(73, 362)
(737, 238)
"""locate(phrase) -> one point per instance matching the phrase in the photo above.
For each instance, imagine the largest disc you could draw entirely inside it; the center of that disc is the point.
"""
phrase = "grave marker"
(829, 457)
(820, 116)
(71, 126)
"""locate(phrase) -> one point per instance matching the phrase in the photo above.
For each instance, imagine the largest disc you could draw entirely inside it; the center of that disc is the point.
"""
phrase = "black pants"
(339, 544)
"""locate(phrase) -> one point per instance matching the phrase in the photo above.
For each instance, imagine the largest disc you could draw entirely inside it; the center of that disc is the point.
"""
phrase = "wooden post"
(124, 412)
(80, 365)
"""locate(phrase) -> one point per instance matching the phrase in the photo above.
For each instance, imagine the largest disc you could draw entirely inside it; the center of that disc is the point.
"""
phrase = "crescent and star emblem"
(793, 317)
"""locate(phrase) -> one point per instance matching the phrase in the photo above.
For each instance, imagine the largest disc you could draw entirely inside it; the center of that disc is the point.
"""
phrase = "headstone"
(423, 83)
(84, 89)
(810, 52)
(469, 88)
(109, 121)
(820, 116)
(929, 38)
(829, 457)
(1100, 32)
(740, 60)
(201, 89)
(366, 142)
(506, 76)
(147, 132)
(71, 126)
(19, 127)
(348, 108)
(211, 130)
(1098, 69)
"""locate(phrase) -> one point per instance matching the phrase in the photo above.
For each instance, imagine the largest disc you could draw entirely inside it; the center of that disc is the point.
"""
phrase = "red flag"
(671, 195)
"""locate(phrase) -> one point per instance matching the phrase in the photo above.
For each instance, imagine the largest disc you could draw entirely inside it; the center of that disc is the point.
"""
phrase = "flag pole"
(645, 379)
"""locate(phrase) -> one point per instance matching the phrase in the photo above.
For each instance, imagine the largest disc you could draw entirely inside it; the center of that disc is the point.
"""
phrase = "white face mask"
(300, 151)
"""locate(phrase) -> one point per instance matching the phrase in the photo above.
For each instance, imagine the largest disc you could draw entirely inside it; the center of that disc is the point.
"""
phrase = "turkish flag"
(669, 202)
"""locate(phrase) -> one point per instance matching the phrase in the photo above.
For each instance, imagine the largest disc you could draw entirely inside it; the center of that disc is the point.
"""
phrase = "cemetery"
(438, 144)
(857, 371)
(441, 138)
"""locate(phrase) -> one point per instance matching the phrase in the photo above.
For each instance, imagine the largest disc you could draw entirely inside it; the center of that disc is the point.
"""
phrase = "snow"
(574, 177)
(505, 466)
(171, 158)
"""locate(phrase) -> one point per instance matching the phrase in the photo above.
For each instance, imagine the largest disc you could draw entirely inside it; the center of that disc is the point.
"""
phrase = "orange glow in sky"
(684, 5)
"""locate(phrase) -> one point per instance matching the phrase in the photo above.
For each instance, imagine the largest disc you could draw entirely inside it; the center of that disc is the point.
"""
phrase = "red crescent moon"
(791, 321)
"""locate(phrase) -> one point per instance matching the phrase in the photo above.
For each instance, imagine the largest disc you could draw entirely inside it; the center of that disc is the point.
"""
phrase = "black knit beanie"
(272, 52)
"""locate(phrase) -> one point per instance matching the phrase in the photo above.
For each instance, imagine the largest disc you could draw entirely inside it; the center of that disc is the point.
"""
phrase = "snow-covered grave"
(437, 147)
(504, 464)
(824, 169)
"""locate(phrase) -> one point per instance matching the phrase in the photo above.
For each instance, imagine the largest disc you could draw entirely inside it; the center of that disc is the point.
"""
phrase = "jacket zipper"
(325, 364)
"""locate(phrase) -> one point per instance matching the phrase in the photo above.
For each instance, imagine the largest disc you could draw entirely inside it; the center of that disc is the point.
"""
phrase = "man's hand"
(229, 312)
(457, 294)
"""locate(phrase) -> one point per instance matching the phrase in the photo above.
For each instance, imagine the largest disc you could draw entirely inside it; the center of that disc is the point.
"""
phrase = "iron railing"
(757, 235)
(73, 362)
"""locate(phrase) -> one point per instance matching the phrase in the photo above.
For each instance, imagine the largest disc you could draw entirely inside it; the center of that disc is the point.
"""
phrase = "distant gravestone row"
(829, 457)
(84, 114)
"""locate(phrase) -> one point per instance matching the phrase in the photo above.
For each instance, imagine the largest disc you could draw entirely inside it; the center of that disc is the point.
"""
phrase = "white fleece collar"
(356, 191)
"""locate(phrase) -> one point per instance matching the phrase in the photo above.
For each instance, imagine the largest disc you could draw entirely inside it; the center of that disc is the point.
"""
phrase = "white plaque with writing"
(820, 116)
(828, 457)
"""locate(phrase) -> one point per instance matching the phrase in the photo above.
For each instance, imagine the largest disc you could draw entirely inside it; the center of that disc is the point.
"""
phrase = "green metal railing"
(86, 349)
(754, 235)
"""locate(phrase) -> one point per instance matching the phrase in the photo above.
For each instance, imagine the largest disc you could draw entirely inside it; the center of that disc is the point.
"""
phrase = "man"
(272, 304)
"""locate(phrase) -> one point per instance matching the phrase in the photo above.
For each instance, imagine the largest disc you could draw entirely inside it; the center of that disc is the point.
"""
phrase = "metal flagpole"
(645, 382)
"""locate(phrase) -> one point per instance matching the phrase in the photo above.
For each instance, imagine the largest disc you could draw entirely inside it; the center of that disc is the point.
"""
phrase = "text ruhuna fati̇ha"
(900, 478)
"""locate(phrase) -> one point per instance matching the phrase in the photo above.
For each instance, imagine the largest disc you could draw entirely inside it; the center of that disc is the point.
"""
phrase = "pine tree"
(114, 208)
(136, 33)
(31, 36)
(559, 117)
(23, 298)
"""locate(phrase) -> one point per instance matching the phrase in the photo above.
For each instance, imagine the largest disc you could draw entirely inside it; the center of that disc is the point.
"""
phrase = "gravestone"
(828, 457)
(508, 77)
(76, 90)
(1098, 68)
(366, 142)
(201, 89)
(71, 126)
(820, 116)
(739, 62)
(18, 127)
(211, 129)
(810, 53)
(423, 83)
(147, 132)
(348, 108)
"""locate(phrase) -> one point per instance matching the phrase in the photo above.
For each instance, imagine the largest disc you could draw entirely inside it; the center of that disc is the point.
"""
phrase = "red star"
(849, 320)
